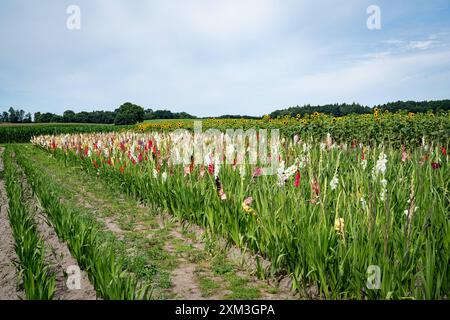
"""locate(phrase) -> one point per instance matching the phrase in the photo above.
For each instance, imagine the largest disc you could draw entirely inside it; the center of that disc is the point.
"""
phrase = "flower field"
(356, 207)
(329, 212)
(381, 126)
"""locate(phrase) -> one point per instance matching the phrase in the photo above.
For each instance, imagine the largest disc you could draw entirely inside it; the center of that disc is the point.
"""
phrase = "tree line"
(15, 116)
(417, 106)
(129, 113)
(126, 114)
(339, 110)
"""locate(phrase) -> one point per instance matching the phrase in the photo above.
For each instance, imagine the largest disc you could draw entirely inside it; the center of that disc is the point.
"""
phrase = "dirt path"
(58, 255)
(8, 272)
(173, 257)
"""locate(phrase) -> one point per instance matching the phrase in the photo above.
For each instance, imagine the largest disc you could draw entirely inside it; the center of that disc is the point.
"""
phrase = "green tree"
(68, 116)
(129, 113)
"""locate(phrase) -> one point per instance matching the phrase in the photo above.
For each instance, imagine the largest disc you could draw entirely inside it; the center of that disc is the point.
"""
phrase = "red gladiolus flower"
(140, 157)
(211, 168)
(122, 169)
(444, 152)
(109, 162)
(297, 179)
(435, 165)
(315, 186)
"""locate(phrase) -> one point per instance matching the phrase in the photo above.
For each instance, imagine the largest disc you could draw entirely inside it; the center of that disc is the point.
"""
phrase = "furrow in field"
(57, 252)
(8, 275)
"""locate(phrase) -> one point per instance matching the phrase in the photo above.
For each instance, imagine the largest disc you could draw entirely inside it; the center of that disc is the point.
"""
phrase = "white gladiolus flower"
(155, 173)
(380, 166)
(334, 182)
(164, 176)
(364, 164)
(363, 202)
(216, 171)
(242, 170)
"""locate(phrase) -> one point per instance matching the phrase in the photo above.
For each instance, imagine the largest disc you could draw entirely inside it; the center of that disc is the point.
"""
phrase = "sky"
(214, 57)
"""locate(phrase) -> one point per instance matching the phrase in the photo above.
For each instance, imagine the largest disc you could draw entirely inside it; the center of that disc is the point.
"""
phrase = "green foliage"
(337, 110)
(24, 133)
(15, 116)
(129, 113)
(166, 114)
(37, 278)
(98, 258)
(295, 229)
(417, 106)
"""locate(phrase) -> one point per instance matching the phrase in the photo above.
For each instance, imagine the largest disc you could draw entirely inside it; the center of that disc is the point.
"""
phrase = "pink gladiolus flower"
(211, 168)
(257, 172)
(248, 201)
(403, 154)
(222, 195)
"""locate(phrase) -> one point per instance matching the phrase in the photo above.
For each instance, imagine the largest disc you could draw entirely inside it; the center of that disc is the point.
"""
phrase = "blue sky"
(212, 57)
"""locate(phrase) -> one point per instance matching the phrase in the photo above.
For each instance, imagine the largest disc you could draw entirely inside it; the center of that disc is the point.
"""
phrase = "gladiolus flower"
(435, 165)
(297, 179)
(444, 152)
(339, 225)
(211, 168)
(257, 172)
(122, 169)
(222, 195)
(315, 186)
(334, 182)
(246, 206)
(403, 154)
(202, 171)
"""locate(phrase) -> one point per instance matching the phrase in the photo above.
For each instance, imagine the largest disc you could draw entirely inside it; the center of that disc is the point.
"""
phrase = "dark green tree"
(129, 113)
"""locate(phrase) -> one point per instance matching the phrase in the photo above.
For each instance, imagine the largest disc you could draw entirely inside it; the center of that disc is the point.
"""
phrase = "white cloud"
(422, 45)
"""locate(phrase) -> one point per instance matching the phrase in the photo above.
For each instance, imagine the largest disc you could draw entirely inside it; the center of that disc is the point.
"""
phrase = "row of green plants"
(97, 257)
(324, 226)
(34, 273)
(393, 128)
(24, 132)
